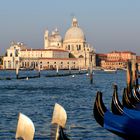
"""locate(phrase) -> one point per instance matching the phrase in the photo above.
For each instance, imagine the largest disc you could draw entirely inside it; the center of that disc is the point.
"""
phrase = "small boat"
(116, 106)
(73, 76)
(130, 99)
(136, 94)
(26, 130)
(118, 109)
(59, 118)
(123, 126)
(110, 70)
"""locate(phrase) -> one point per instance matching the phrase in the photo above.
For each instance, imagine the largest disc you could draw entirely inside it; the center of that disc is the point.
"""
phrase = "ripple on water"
(36, 98)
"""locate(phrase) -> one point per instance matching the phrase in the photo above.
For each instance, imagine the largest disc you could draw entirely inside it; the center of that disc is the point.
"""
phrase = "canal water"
(36, 99)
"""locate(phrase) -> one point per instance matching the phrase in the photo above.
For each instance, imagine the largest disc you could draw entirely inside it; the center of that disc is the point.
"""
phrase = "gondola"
(26, 130)
(136, 94)
(118, 109)
(122, 126)
(59, 119)
(131, 99)
(127, 100)
(116, 106)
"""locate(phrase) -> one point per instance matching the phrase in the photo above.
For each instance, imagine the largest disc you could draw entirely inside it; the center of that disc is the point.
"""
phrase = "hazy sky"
(108, 24)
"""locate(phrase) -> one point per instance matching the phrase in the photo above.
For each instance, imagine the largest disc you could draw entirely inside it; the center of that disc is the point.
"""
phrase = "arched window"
(81, 56)
(68, 47)
(79, 47)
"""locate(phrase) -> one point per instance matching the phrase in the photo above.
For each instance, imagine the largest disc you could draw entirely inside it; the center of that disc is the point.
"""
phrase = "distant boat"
(25, 69)
(110, 70)
(97, 68)
(73, 76)
(87, 74)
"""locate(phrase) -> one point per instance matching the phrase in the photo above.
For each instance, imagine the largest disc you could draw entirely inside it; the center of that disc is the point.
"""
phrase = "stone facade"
(138, 61)
(117, 60)
(71, 52)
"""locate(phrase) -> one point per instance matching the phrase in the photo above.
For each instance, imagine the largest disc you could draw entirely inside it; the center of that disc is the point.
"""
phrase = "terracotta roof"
(101, 54)
(44, 50)
(123, 52)
(138, 57)
(116, 61)
(59, 58)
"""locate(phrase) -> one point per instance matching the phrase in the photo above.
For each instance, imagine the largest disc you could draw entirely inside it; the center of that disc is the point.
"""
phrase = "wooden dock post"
(57, 69)
(129, 77)
(38, 69)
(133, 72)
(137, 76)
(91, 69)
(17, 70)
(79, 69)
(69, 68)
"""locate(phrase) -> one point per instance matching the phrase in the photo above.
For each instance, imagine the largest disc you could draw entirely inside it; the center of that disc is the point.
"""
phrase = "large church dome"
(74, 33)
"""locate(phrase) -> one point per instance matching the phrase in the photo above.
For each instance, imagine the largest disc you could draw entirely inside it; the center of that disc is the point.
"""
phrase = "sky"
(107, 24)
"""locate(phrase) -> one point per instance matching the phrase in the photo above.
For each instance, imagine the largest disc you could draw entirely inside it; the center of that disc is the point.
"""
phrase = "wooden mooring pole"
(129, 77)
(91, 69)
(17, 71)
(69, 68)
(133, 72)
(57, 69)
(39, 69)
(137, 76)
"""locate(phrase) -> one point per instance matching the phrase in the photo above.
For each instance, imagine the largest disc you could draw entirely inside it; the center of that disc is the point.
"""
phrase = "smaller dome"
(55, 36)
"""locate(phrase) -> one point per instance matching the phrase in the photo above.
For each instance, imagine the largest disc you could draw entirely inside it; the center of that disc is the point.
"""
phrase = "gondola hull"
(122, 125)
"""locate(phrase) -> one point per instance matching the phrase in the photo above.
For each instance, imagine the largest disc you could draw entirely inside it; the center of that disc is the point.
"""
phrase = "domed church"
(72, 52)
(74, 42)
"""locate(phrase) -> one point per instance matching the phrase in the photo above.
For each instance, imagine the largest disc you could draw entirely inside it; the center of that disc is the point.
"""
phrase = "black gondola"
(136, 94)
(127, 100)
(59, 119)
(99, 109)
(62, 135)
(123, 126)
(116, 106)
(118, 109)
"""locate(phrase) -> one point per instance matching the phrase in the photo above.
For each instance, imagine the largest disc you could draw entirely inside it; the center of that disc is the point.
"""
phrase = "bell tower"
(46, 39)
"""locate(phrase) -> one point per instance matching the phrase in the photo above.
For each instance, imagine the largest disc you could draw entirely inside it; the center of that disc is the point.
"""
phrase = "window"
(68, 47)
(9, 64)
(79, 47)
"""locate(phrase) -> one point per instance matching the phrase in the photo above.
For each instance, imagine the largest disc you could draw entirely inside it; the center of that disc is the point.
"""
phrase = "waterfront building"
(100, 58)
(1, 62)
(124, 55)
(117, 59)
(12, 56)
(72, 52)
(138, 61)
